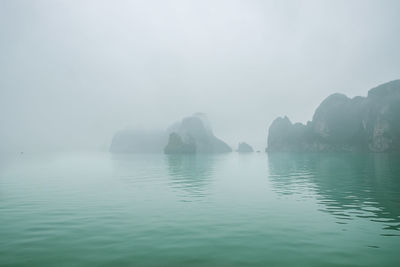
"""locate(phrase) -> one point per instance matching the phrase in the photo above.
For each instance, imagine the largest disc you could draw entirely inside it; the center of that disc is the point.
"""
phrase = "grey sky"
(74, 72)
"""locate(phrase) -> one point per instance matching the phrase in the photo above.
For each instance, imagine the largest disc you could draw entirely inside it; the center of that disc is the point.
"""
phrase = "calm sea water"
(201, 210)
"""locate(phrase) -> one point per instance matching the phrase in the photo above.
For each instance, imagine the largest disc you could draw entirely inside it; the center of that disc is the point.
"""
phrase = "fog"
(72, 73)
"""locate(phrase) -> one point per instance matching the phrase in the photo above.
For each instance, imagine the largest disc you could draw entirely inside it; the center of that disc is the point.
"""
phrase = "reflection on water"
(192, 173)
(199, 210)
(136, 169)
(345, 185)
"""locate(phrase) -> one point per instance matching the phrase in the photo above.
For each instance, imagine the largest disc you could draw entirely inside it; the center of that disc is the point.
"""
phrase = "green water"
(221, 210)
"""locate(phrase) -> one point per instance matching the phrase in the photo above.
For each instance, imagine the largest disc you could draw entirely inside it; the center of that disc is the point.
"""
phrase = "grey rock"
(196, 131)
(340, 123)
(244, 148)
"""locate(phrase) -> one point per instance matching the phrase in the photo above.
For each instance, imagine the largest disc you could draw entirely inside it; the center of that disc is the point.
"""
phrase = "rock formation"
(177, 146)
(194, 135)
(340, 123)
(244, 148)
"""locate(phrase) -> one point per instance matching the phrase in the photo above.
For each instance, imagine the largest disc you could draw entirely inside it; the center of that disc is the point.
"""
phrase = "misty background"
(72, 73)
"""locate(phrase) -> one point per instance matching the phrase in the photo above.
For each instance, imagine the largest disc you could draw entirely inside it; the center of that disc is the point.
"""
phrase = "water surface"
(203, 210)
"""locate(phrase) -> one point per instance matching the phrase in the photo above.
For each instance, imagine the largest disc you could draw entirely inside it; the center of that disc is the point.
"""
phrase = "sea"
(255, 209)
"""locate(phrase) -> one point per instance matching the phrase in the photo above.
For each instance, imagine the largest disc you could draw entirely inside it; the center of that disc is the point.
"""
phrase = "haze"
(75, 72)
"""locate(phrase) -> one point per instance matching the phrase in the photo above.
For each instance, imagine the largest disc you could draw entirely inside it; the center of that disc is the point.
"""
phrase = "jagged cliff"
(340, 123)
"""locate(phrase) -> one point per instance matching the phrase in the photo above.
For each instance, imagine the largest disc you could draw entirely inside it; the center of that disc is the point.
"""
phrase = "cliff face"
(340, 123)
(194, 132)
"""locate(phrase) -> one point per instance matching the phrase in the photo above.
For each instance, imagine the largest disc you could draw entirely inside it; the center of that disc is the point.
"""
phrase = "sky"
(72, 73)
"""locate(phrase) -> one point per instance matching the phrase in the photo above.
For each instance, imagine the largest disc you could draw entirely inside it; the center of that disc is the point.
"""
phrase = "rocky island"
(340, 123)
(191, 135)
(194, 135)
(244, 148)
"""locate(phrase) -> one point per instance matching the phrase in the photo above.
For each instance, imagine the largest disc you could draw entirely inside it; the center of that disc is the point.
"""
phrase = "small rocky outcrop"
(340, 123)
(244, 148)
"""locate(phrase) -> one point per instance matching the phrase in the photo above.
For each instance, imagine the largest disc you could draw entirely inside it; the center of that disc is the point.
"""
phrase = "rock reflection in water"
(191, 172)
(346, 185)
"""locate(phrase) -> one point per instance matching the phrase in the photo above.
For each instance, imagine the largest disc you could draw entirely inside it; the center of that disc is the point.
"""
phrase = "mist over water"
(133, 133)
(207, 210)
(76, 72)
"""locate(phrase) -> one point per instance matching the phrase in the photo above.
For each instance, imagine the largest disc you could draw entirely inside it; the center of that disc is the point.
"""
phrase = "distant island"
(244, 148)
(194, 135)
(340, 123)
(191, 135)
